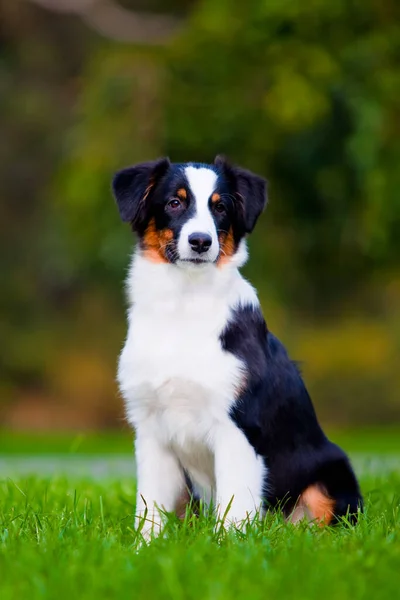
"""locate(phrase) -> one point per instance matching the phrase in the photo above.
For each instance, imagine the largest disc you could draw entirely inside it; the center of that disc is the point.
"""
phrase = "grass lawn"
(66, 538)
(371, 440)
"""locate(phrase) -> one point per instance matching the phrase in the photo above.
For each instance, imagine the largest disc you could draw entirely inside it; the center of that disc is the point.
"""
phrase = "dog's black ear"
(251, 190)
(132, 187)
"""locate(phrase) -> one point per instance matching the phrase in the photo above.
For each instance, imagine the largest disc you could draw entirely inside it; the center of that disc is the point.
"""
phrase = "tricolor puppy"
(218, 407)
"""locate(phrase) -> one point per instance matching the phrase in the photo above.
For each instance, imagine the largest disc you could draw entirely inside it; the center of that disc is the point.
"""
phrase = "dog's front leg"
(160, 481)
(240, 474)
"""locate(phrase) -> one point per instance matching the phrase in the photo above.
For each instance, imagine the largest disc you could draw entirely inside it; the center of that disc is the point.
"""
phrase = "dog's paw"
(148, 526)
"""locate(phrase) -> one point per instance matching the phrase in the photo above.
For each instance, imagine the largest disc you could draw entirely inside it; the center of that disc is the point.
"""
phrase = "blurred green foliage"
(303, 93)
(307, 94)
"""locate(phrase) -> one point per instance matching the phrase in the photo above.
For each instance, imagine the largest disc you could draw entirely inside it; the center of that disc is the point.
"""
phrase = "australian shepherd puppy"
(218, 407)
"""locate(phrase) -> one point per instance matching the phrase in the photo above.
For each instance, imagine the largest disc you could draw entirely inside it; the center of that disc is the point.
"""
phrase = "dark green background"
(304, 93)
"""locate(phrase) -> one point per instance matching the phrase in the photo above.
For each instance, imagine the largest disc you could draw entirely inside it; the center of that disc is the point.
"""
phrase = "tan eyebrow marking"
(227, 246)
(182, 194)
(215, 198)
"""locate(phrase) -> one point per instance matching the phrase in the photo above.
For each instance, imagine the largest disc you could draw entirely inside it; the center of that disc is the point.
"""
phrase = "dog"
(219, 409)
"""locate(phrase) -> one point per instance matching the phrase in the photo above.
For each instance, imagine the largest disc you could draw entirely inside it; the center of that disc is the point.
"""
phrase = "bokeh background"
(304, 93)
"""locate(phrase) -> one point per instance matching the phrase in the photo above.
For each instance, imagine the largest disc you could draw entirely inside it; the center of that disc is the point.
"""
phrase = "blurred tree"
(116, 22)
(306, 94)
(38, 70)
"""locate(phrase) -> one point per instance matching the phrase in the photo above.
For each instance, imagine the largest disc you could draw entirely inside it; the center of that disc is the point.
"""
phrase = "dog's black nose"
(200, 242)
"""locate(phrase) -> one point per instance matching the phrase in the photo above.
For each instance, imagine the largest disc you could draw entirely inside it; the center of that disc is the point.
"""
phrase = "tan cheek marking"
(314, 504)
(165, 236)
(227, 247)
(181, 193)
(154, 242)
(215, 198)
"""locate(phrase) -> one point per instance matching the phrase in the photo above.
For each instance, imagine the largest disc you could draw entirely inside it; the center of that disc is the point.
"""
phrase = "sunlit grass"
(66, 538)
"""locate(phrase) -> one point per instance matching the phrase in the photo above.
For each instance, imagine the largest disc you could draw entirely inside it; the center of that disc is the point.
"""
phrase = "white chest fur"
(176, 379)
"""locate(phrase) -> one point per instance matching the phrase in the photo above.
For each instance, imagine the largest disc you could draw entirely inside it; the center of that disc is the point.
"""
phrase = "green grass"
(66, 443)
(74, 539)
(374, 440)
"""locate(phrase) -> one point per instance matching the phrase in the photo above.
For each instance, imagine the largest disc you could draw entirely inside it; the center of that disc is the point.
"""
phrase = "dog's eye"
(174, 203)
(219, 208)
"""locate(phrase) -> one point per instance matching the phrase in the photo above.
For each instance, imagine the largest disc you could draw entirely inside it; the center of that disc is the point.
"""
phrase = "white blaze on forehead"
(202, 183)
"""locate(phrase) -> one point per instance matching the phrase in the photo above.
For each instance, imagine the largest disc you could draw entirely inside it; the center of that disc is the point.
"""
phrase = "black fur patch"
(276, 414)
(250, 191)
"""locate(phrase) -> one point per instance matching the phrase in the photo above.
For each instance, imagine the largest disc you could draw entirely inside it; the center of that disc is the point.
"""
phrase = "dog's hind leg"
(314, 504)
(335, 494)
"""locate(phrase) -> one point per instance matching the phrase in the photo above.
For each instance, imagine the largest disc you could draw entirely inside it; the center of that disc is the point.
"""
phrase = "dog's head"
(189, 214)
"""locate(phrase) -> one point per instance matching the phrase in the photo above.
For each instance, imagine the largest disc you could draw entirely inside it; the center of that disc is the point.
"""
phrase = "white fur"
(179, 385)
(202, 183)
